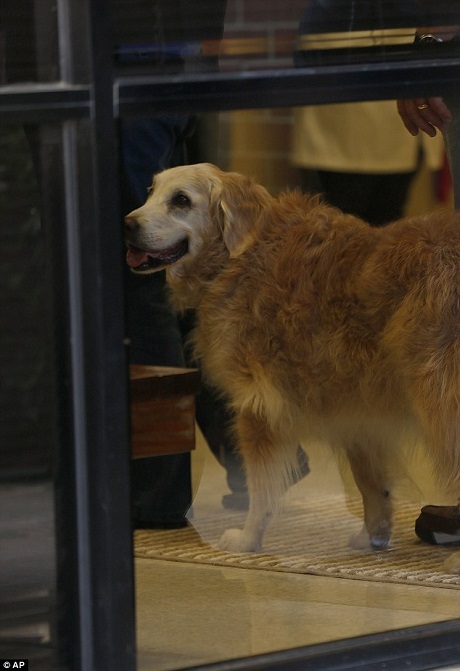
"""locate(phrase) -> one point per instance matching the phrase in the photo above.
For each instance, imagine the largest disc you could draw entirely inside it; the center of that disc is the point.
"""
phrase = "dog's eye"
(181, 200)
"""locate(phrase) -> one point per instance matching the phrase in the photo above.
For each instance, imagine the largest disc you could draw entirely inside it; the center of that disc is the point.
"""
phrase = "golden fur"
(311, 322)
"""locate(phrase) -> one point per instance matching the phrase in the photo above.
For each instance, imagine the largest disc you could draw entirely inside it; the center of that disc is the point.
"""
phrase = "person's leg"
(376, 198)
(161, 486)
(148, 146)
(216, 423)
(349, 191)
(388, 196)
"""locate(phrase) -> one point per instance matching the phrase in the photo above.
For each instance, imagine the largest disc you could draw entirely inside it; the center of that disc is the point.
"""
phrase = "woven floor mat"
(310, 537)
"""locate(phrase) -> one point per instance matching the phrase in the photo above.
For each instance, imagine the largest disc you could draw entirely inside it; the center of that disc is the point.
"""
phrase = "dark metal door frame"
(95, 572)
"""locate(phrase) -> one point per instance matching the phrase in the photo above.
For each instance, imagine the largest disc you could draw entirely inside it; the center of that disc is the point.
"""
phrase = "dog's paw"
(380, 536)
(360, 541)
(234, 540)
(452, 564)
(377, 541)
(380, 542)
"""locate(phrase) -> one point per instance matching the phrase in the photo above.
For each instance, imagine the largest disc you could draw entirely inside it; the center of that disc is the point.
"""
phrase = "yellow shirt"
(366, 137)
(360, 137)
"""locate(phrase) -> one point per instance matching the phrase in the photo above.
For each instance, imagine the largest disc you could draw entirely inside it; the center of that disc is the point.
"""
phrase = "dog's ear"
(240, 203)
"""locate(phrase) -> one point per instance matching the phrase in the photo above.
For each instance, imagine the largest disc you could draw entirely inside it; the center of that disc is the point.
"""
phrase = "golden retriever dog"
(312, 323)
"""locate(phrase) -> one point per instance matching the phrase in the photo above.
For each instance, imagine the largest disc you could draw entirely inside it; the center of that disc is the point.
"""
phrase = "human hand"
(425, 114)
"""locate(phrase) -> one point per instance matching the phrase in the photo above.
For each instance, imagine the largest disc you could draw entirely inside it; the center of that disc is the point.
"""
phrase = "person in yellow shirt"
(360, 157)
(358, 154)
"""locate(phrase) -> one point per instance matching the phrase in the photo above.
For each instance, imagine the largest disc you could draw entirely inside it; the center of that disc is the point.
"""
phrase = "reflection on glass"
(359, 30)
(307, 586)
(27, 407)
(28, 42)
(164, 38)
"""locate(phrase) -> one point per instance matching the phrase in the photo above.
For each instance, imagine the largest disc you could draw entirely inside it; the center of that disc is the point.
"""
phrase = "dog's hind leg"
(270, 462)
(372, 482)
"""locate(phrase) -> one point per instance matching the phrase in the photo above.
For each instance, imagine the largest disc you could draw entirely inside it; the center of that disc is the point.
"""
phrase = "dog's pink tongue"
(136, 257)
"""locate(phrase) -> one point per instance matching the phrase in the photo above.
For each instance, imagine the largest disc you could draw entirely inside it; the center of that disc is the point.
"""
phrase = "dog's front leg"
(369, 474)
(268, 464)
(249, 538)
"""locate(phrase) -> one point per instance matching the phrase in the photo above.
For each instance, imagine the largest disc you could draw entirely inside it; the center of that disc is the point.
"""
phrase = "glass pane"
(28, 42)
(27, 409)
(341, 31)
(199, 603)
(167, 38)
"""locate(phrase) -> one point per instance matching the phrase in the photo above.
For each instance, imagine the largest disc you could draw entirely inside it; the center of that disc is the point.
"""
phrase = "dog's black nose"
(131, 222)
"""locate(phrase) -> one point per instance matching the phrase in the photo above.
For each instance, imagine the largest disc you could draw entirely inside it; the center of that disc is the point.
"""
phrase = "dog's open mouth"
(141, 260)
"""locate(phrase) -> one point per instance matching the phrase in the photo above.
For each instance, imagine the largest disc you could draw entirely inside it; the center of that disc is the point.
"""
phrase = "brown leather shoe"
(439, 525)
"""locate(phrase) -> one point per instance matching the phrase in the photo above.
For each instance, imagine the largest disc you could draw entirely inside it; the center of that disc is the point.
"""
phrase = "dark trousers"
(378, 198)
(161, 486)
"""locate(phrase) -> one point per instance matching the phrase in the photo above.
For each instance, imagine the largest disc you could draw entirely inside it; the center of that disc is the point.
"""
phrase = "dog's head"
(186, 208)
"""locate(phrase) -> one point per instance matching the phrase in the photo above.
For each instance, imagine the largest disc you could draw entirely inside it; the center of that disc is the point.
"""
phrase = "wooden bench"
(162, 410)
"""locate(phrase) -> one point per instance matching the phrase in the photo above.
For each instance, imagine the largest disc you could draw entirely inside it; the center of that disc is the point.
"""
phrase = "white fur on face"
(176, 209)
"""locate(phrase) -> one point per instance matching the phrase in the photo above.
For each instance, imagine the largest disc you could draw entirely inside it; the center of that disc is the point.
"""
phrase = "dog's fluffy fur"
(311, 322)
